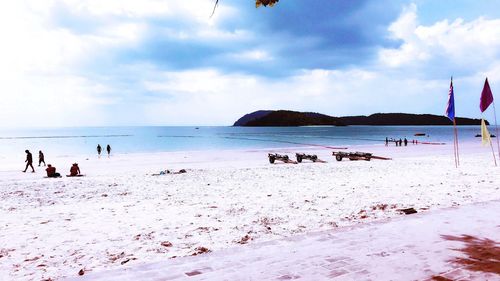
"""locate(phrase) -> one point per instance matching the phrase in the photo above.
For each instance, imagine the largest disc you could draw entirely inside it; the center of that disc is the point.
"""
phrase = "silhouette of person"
(41, 159)
(74, 170)
(51, 172)
(29, 161)
(99, 149)
(386, 141)
(400, 142)
(108, 149)
(406, 142)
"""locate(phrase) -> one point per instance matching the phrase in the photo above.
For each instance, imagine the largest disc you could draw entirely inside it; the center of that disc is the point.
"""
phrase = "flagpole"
(493, 152)
(491, 145)
(450, 113)
(496, 129)
(455, 144)
(485, 135)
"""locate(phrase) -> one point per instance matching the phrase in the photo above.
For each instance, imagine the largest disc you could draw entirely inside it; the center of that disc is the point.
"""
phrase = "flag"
(450, 109)
(486, 96)
(484, 133)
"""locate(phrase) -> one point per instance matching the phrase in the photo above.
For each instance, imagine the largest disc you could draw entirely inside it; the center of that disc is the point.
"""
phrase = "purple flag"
(450, 109)
(486, 96)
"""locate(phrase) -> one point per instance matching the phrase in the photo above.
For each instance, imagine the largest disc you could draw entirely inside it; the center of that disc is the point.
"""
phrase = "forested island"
(281, 118)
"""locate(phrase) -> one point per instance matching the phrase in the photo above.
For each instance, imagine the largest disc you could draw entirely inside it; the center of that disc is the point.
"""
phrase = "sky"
(166, 62)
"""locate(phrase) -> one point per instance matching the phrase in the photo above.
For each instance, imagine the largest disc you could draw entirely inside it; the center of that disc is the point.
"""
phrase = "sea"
(83, 140)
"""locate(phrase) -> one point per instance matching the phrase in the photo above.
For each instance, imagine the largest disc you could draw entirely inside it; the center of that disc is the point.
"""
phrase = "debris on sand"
(201, 250)
(408, 211)
(166, 244)
(245, 239)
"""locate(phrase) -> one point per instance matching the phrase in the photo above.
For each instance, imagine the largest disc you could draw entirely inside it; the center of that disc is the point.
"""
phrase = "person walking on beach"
(108, 149)
(29, 161)
(386, 141)
(41, 159)
(99, 149)
(406, 142)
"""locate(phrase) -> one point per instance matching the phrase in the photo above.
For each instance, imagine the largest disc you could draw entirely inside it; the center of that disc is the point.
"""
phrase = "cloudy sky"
(166, 62)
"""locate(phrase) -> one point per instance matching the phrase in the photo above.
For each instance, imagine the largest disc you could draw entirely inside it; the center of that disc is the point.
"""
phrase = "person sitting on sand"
(74, 171)
(51, 172)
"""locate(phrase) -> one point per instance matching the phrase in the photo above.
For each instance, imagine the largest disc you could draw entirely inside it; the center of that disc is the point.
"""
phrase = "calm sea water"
(70, 141)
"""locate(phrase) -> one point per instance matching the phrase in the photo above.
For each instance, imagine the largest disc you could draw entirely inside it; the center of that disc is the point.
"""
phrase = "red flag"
(486, 96)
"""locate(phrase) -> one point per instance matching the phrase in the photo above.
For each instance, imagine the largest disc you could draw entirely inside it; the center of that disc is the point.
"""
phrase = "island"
(281, 118)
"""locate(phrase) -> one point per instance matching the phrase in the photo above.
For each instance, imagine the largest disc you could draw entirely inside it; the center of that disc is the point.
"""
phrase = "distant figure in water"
(406, 142)
(51, 172)
(386, 141)
(41, 159)
(29, 161)
(99, 149)
(108, 149)
(74, 170)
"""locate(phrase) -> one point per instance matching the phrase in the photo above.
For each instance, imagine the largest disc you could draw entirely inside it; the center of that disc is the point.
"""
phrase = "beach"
(120, 215)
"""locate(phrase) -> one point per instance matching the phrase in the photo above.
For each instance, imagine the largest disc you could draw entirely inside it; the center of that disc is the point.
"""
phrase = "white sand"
(119, 213)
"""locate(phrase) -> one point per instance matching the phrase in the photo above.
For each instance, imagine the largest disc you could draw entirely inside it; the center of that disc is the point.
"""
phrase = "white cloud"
(252, 55)
(404, 26)
(42, 81)
(465, 44)
(194, 10)
(39, 74)
(208, 97)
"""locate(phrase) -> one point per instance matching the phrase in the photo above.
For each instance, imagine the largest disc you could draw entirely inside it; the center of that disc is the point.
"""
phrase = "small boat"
(419, 134)
(491, 136)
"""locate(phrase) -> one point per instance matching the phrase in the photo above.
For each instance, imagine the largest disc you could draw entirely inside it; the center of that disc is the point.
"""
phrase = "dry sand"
(120, 215)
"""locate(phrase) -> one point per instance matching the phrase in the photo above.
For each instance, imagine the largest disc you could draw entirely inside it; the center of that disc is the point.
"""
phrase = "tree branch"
(215, 6)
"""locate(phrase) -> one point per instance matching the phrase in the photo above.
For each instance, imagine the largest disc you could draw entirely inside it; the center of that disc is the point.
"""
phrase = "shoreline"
(466, 148)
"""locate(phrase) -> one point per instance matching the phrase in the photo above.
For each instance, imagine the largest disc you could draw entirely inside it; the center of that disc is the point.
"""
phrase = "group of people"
(99, 150)
(29, 160)
(399, 142)
(51, 170)
(74, 171)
